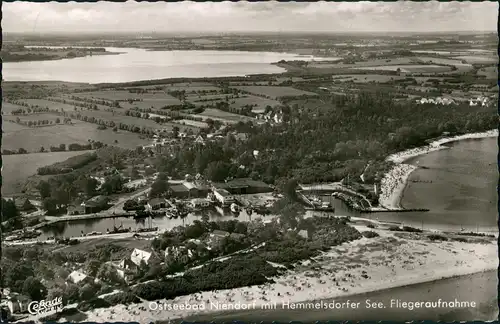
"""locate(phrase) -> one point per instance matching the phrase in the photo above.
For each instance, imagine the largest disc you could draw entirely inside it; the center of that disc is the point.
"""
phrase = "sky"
(207, 17)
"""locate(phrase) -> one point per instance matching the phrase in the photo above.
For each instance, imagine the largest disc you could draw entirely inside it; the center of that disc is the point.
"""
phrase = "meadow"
(193, 123)
(32, 139)
(259, 103)
(490, 72)
(18, 168)
(217, 114)
(367, 78)
(8, 108)
(43, 103)
(275, 92)
(123, 95)
(35, 117)
(407, 68)
(478, 59)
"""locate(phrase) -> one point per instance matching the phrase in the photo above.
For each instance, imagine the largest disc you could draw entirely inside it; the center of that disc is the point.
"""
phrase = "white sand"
(394, 182)
(388, 265)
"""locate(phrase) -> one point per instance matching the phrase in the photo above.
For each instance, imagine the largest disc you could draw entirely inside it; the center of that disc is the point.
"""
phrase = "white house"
(78, 277)
(223, 196)
(176, 251)
(139, 256)
(18, 303)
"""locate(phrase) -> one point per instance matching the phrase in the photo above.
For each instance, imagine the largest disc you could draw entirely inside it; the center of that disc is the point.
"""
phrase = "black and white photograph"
(254, 161)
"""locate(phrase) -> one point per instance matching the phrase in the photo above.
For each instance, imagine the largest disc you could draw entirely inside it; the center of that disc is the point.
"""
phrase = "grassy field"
(123, 95)
(261, 103)
(489, 72)
(366, 78)
(32, 139)
(193, 123)
(42, 103)
(17, 168)
(275, 92)
(222, 115)
(478, 59)
(10, 127)
(407, 68)
(8, 108)
(120, 118)
(36, 117)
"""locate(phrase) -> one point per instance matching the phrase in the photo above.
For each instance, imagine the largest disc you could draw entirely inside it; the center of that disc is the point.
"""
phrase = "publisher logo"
(45, 306)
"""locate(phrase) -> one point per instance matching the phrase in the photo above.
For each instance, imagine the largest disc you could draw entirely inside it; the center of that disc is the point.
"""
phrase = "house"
(138, 256)
(96, 204)
(223, 196)
(199, 203)
(157, 203)
(241, 136)
(200, 140)
(197, 188)
(178, 191)
(244, 186)
(18, 303)
(177, 251)
(76, 210)
(78, 277)
(216, 237)
(237, 236)
(305, 234)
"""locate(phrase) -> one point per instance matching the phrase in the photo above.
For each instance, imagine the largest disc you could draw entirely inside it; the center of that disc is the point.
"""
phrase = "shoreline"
(358, 267)
(395, 180)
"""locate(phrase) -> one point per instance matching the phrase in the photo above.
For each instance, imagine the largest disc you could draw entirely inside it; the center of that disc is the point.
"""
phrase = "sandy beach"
(390, 260)
(394, 182)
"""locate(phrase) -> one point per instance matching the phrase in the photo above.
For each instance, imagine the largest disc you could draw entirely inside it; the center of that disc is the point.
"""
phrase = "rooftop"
(179, 188)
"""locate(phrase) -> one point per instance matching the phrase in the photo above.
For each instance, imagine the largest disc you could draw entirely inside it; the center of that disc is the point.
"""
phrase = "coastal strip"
(362, 266)
(394, 182)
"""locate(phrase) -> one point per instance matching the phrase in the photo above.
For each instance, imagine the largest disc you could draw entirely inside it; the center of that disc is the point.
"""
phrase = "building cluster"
(436, 101)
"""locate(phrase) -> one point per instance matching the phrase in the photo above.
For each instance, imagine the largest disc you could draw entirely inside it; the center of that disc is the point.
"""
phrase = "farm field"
(18, 168)
(10, 127)
(196, 98)
(35, 117)
(275, 92)
(122, 95)
(407, 68)
(189, 122)
(366, 78)
(378, 62)
(32, 139)
(195, 87)
(217, 114)
(478, 59)
(149, 103)
(489, 72)
(8, 108)
(42, 103)
(259, 102)
(120, 118)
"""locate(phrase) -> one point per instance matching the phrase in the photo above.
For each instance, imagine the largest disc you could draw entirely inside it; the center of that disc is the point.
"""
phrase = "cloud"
(249, 16)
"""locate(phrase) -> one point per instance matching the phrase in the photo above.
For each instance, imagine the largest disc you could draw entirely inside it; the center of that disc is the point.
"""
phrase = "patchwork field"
(17, 168)
(275, 92)
(32, 139)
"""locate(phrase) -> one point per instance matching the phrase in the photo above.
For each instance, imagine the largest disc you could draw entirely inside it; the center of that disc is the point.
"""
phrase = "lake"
(462, 194)
(135, 64)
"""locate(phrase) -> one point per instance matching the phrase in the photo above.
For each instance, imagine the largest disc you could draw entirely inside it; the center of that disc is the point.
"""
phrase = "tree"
(44, 189)
(34, 289)
(50, 206)
(9, 209)
(158, 188)
(217, 171)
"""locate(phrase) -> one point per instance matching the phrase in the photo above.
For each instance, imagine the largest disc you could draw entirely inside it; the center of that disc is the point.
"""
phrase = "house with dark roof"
(243, 186)
(96, 204)
(178, 191)
(157, 203)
